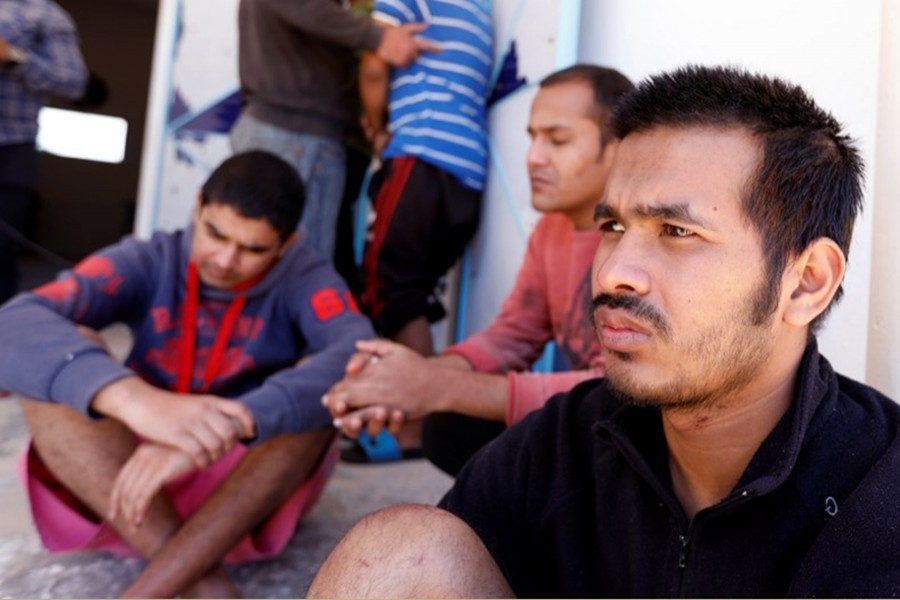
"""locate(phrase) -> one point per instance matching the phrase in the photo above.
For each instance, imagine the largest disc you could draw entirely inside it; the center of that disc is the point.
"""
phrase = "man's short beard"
(687, 399)
(737, 369)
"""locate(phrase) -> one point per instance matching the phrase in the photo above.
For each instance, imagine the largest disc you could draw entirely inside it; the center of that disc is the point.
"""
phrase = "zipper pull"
(682, 556)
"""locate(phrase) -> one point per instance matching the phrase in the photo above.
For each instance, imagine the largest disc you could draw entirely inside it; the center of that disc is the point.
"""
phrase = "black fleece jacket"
(577, 501)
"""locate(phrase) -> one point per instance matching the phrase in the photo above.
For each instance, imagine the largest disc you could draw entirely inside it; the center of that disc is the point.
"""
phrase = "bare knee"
(410, 551)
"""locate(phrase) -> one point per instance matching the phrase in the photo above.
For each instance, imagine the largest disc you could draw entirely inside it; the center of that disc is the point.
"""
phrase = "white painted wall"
(884, 328)
(830, 47)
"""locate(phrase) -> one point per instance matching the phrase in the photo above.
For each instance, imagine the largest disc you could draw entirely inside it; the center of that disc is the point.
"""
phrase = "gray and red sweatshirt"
(240, 343)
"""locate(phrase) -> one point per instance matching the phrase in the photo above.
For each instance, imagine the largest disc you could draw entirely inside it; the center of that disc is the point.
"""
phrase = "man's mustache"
(640, 310)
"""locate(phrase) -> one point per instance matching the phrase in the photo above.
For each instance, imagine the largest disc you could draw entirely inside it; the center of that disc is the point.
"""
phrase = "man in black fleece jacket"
(721, 456)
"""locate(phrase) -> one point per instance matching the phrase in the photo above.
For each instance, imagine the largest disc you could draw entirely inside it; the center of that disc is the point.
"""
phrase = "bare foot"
(216, 584)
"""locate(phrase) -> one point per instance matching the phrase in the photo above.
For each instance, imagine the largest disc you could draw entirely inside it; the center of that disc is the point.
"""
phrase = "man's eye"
(612, 227)
(214, 233)
(676, 231)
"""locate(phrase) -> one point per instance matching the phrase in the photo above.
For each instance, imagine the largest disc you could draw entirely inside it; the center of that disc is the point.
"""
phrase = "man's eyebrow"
(676, 212)
(249, 247)
(680, 211)
(210, 227)
(548, 129)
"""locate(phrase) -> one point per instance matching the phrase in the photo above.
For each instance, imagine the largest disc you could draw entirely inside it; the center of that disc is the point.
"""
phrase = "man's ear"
(814, 279)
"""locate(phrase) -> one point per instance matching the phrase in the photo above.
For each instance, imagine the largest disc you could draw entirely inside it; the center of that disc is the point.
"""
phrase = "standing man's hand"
(5, 49)
(202, 426)
(9, 53)
(379, 138)
(400, 47)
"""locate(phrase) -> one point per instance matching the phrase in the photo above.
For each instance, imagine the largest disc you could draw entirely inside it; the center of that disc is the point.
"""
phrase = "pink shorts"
(65, 524)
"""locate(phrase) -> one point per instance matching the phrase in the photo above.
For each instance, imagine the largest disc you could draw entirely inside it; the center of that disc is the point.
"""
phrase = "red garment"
(65, 524)
(550, 300)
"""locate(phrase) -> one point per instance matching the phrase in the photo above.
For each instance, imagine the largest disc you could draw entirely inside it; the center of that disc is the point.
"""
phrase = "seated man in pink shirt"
(471, 392)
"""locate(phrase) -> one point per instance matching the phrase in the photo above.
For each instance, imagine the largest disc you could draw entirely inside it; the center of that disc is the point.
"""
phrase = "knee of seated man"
(411, 532)
(413, 550)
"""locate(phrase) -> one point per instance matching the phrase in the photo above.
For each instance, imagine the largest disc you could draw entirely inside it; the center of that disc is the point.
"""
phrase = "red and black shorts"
(424, 217)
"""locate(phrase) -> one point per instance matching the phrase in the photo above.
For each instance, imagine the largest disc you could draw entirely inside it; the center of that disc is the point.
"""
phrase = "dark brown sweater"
(297, 62)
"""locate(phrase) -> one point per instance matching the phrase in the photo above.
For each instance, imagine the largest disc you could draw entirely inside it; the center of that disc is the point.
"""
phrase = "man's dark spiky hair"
(809, 181)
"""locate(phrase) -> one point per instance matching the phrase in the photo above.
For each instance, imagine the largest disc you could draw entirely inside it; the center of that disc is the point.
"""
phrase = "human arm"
(147, 471)
(8, 52)
(405, 381)
(525, 494)
(204, 427)
(321, 313)
(517, 335)
(45, 356)
(43, 353)
(402, 379)
(523, 393)
(47, 60)
(549, 301)
(374, 74)
(399, 46)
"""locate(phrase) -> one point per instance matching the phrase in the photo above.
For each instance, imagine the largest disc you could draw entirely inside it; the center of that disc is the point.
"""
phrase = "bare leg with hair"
(267, 475)
(184, 558)
(86, 456)
(410, 551)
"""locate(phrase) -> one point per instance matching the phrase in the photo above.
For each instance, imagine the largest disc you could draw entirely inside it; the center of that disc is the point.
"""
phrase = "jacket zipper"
(682, 553)
(684, 538)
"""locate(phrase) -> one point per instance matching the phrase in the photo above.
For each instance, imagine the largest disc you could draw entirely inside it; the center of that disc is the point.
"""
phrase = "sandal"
(382, 448)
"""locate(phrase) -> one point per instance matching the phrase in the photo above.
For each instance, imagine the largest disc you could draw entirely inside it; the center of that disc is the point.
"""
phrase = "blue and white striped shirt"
(54, 66)
(437, 105)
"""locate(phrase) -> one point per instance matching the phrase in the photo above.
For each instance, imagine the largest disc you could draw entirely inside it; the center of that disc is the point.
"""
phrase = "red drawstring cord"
(187, 353)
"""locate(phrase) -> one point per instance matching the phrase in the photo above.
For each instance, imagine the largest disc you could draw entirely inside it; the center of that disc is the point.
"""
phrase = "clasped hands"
(386, 384)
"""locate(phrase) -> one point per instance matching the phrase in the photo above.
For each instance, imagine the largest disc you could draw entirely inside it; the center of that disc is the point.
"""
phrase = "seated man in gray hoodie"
(209, 443)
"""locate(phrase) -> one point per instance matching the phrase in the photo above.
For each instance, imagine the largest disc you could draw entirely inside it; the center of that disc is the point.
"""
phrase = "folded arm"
(386, 376)
(327, 317)
(44, 356)
(398, 46)
(374, 76)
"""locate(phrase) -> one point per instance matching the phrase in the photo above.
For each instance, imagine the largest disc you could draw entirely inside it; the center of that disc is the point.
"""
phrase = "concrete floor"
(28, 571)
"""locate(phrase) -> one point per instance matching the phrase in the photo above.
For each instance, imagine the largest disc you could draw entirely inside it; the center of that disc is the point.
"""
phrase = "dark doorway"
(82, 205)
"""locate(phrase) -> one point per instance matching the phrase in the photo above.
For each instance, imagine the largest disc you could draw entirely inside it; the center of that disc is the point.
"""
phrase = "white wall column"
(830, 47)
(883, 370)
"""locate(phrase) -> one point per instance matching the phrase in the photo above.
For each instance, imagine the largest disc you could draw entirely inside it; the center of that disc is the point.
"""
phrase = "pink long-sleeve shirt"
(550, 300)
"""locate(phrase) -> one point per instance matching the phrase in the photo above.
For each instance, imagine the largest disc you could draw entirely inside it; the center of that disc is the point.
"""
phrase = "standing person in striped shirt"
(427, 122)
